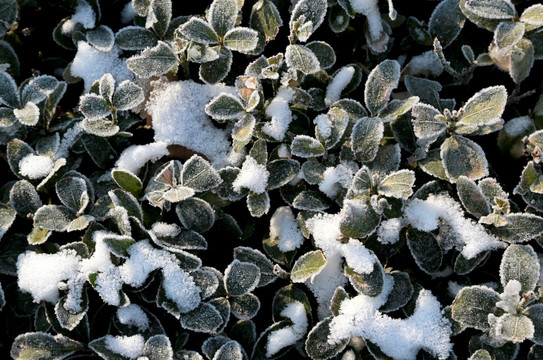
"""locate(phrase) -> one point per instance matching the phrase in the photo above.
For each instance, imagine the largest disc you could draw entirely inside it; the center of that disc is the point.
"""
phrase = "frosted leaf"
(520, 227)
(492, 9)
(381, 81)
(310, 200)
(508, 34)
(159, 16)
(358, 218)
(231, 350)
(305, 146)
(106, 87)
(153, 61)
(427, 90)
(362, 182)
(199, 31)
(135, 38)
(178, 193)
(39, 88)
(72, 192)
(472, 197)
(127, 181)
(241, 277)
(195, 214)
(396, 108)
(102, 38)
(522, 60)
(282, 171)
(206, 280)
(266, 19)
(7, 217)
(9, 95)
(301, 58)
(398, 184)
(312, 11)
(427, 126)
(212, 344)
(520, 262)
(317, 345)
(100, 127)
(245, 307)
(483, 109)
(225, 107)
(462, 156)
(425, 249)
(118, 245)
(53, 217)
(433, 165)
(446, 22)
(370, 284)
(241, 39)
(307, 266)
(127, 96)
(258, 204)
(127, 201)
(94, 107)
(532, 17)
(246, 254)
(29, 115)
(389, 231)
(69, 319)
(199, 175)
(214, 71)
(535, 313)
(42, 345)
(515, 328)
(324, 53)
(222, 15)
(334, 127)
(401, 292)
(480, 354)
(472, 306)
(366, 137)
(223, 307)
(24, 198)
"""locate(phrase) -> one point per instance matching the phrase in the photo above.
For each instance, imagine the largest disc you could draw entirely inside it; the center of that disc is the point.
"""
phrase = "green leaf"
(483, 109)
(99, 150)
(241, 277)
(472, 197)
(313, 12)
(508, 34)
(396, 108)
(358, 219)
(480, 354)
(483, 22)
(8, 56)
(381, 81)
(535, 313)
(366, 137)
(522, 60)
(241, 39)
(118, 244)
(520, 227)
(532, 17)
(301, 58)
(128, 181)
(29, 115)
(204, 319)
(515, 328)
(307, 266)
(159, 16)
(153, 61)
(225, 107)
(427, 90)
(199, 31)
(222, 15)
(368, 284)
(433, 165)
(94, 107)
(195, 214)
(53, 217)
(324, 53)
(38, 236)
(316, 344)
(48, 108)
(446, 22)
(40, 345)
(398, 184)
(178, 193)
(520, 262)
(135, 38)
(7, 217)
(254, 256)
(492, 9)
(266, 19)
(335, 303)
(305, 146)
(245, 307)
(312, 172)
(214, 71)
(310, 200)
(127, 96)
(127, 201)
(72, 192)
(462, 156)
(101, 38)
(199, 175)
(281, 172)
(66, 318)
(9, 95)
(258, 204)
(426, 124)
(425, 249)
(24, 198)
(100, 127)
(401, 292)
(472, 306)
(231, 350)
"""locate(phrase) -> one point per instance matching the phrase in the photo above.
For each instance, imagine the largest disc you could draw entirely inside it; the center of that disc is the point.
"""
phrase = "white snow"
(454, 288)
(134, 157)
(519, 126)
(128, 13)
(335, 179)
(128, 346)
(35, 166)
(283, 151)
(283, 226)
(84, 15)
(162, 229)
(289, 335)
(471, 238)
(338, 83)
(370, 9)
(322, 121)
(510, 297)
(177, 109)
(400, 339)
(253, 176)
(426, 63)
(68, 140)
(133, 315)
(279, 112)
(389, 231)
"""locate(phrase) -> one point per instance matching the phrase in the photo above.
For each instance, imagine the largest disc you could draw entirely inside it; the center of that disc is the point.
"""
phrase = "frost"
(134, 157)
(471, 238)
(426, 63)
(335, 179)
(128, 346)
(510, 297)
(338, 84)
(400, 339)
(284, 227)
(84, 15)
(133, 315)
(253, 176)
(389, 231)
(324, 125)
(35, 166)
(279, 339)
(162, 229)
(279, 112)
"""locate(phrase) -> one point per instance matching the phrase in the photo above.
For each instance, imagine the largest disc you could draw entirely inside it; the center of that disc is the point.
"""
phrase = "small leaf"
(480, 354)
(301, 58)
(472, 306)
(316, 344)
(245, 307)
(159, 16)
(266, 19)
(24, 198)
(425, 250)
(492, 9)
(472, 197)
(214, 71)
(358, 219)
(462, 156)
(281, 172)
(433, 165)
(241, 277)
(398, 184)
(305, 146)
(515, 328)
(101, 38)
(135, 38)
(484, 108)
(535, 313)
(324, 53)
(7, 217)
(199, 31)
(520, 262)
(366, 137)
(9, 95)
(396, 108)
(247, 254)
(204, 319)
(153, 61)
(40, 345)
(520, 227)
(307, 266)
(53, 217)
(381, 81)
(118, 245)
(231, 350)
(258, 204)
(199, 175)
(522, 60)
(508, 34)
(222, 15)
(94, 107)
(427, 90)
(426, 124)
(158, 347)
(128, 202)
(29, 115)
(313, 12)
(127, 96)
(532, 17)
(310, 200)
(446, 22)
(66, 318)
(241, 39)
(195, 214)
(225, 107)
(128, 181)
(72, 192)
(335, 303)
(101, 127)
(401, 292)
(107, 87)
(368, 284)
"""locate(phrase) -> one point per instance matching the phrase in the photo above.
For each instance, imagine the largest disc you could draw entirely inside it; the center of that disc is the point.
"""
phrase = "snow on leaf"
(127, 96)
(28, 115)
(381, 81)
(316, 344)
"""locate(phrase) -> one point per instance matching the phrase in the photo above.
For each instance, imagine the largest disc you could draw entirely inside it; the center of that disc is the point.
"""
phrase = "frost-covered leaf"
(316, 344)
(313, 11)
(9, 95)
(128, 202)
(222, 15)
(40, 345)
(532, 17)
(366, 137)
(258, 204)
(128, 181)
(381, 81)
(204, 319)
(397, 108)
(426, 125)
(212, 344)
(199, 175)
(135, 38)
(515, 328)
(225, 107)
(358, 219)
(520, 227)
(427, 90)
(66, 318)
(158, 347)
(446, 22)
(324, 53)
(254, 256)
(472, 306)
(178, 193)
(313, 171)
(101, 38)
(72, 192)
(24, 198)
(153, 61)
(206, 280)
(38, 236)
(231, 350)
(7, 217)
(433, 165)
(492, 9)
(425, 250)
(118, 244)
(214, 71)
(245, 307)
(522, 60)
(53, 217)
(223, 307)
(195, 214)
(106, 87)
(305, 146)
(307, 266)
(100, 127)
(480, 354)
(462, 156)
(127, 96)
(241, 39)
(94, 107)
(28, 115)
(483, 109)
(472, 197)
(398, 184)
(520, 262)
(368, 284)
(159, 16)
(310, 200)
(281, 172)
(335, 124)
(508, 34)
(266, 19)
(199, 31)
(401, 292)
(241, 277)
(301, 58)
(535, 313)
(335, 303)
